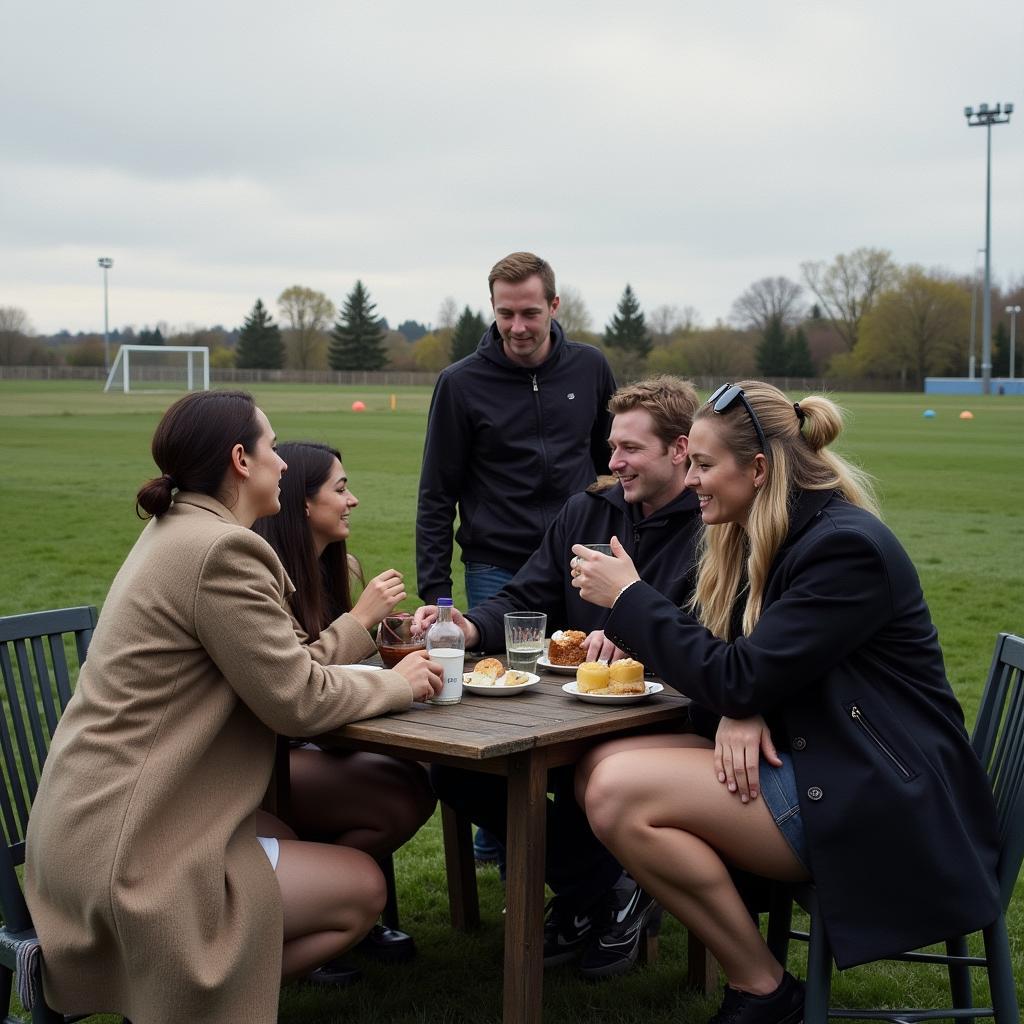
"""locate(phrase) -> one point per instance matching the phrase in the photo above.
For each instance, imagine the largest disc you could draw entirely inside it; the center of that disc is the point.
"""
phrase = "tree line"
(858, 315)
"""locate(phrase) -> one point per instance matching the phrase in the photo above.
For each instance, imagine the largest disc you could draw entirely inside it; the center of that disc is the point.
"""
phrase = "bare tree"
(307, 313)
(15, 329)
(847, 287)
(572, 313)
(448, 314)
(772, 302)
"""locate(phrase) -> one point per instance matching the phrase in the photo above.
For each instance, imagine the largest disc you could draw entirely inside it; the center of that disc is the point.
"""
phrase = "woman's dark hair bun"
(154, 497)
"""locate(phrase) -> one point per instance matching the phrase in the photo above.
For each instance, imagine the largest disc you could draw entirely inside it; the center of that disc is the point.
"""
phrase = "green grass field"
(72, 459)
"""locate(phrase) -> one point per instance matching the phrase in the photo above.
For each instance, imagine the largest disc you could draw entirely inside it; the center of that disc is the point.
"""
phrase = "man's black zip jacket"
(508, 445)
(662, 546)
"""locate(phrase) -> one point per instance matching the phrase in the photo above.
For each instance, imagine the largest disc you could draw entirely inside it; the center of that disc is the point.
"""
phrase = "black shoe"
(618, 943)
(565, 932)
(388, 945)
(336, 973)
(784, 1006)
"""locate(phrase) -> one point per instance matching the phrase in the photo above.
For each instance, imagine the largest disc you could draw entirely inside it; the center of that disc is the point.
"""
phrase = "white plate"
(562, 670)
(364, 668)
(503, 691)
(612, 698)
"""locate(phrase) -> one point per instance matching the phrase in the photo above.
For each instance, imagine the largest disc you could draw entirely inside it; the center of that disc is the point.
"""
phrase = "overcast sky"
(222, 151)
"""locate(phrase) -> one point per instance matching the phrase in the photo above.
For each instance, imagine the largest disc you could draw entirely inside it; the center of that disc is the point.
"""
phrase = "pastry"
(490, 667)
(566, 647)
(592, 677)
(626, 676)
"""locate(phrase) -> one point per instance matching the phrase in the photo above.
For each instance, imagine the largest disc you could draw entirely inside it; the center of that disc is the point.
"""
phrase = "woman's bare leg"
(331, 896)
(593, 757)
(667, 818)
(370, 802)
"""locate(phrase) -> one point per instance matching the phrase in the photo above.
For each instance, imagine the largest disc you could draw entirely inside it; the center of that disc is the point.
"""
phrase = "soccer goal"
(159, 368)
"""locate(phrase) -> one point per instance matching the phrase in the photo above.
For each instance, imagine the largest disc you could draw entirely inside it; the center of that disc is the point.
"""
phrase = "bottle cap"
(444, 602)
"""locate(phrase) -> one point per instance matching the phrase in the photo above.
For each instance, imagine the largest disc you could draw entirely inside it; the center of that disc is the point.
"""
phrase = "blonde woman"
(833, 747)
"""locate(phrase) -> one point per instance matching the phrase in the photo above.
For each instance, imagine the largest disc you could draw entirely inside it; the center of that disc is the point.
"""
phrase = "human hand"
(426, 677)
(600, 578)
(378, 598)
(423, 618)
(739, 742)
(599, 648)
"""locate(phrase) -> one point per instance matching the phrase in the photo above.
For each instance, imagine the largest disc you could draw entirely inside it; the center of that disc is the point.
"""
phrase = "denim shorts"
(778, 790)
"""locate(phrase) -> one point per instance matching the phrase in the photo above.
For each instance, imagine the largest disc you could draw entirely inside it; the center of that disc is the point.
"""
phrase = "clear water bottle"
(447, 646)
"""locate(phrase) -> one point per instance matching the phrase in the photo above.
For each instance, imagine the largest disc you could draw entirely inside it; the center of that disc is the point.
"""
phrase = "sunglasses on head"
(726, 397)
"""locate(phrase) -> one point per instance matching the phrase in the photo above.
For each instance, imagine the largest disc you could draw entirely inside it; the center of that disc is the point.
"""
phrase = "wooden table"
(520, 737)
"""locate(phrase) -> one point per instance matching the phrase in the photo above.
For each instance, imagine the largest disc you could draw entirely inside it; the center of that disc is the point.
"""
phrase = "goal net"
(159, 368)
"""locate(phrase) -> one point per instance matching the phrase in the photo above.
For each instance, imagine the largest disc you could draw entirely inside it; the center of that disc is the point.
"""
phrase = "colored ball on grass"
(358, 406)
(967, 415)
(929, 414)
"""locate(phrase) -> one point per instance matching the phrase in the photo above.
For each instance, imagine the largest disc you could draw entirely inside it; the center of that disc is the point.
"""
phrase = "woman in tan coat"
(152, 893)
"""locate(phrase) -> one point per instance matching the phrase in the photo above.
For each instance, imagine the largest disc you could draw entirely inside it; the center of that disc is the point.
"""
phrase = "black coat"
(508, 445)
(662, 547)
(845, 666)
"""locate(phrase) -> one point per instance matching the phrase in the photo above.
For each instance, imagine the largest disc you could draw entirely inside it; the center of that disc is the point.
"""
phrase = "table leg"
(460, 868)
(524, 916)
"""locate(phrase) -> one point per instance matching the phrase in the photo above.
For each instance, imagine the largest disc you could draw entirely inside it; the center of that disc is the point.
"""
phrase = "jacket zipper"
(545, 468)
(858, 716)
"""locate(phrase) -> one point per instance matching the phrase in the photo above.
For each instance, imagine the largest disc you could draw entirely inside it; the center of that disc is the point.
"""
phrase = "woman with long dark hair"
(153, 886)
(369, 801)
(829, 745)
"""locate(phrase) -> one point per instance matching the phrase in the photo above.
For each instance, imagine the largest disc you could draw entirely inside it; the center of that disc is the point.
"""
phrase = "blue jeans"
(484, 581)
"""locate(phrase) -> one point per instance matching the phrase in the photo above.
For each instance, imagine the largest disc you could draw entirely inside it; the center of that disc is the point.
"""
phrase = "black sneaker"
(618, 944)
(565, 932)
(784, 1006)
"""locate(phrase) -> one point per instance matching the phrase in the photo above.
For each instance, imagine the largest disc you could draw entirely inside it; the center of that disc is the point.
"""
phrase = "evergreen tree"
(773, 350)
(1001, 351)
(627, 329)
(411, 330)
(260, 346)
(468, 331)
(798, 355)
(148, 337)
(357, 341)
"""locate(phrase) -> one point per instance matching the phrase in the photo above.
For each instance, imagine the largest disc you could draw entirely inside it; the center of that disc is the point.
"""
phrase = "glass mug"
(395, 638)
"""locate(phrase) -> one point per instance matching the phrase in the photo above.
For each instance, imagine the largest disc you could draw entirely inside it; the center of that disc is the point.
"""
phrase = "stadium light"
(1013, 311)
(106, 263)
(986, 117)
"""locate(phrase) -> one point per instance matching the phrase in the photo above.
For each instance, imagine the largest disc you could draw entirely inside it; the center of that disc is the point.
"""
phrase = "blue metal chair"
(37, 687)
(998, 740)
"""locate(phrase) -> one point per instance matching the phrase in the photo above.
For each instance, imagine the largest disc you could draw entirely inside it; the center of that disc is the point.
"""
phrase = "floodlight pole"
(1013, 311)
(986, 117)
(106, 263)
(974, 316)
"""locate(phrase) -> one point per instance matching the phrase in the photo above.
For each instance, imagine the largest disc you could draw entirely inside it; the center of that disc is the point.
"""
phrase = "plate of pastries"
(565, 652)
(490, 679)
(621, 682)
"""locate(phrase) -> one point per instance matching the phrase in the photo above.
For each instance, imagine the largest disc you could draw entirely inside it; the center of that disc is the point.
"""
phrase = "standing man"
(514, 429)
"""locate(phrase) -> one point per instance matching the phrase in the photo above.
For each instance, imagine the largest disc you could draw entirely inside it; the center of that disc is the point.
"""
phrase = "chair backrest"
(37, 688)
(999, 741)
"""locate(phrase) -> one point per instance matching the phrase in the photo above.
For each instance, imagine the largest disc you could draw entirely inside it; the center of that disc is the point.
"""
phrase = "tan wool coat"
(150, 894)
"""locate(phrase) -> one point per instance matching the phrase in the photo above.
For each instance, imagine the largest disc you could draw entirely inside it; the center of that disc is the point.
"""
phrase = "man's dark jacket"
(845, 666)
(662, 547)
(508, 445)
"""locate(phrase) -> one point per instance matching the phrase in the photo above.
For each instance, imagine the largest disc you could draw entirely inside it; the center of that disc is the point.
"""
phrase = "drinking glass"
(524, 639)
(395, 638)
